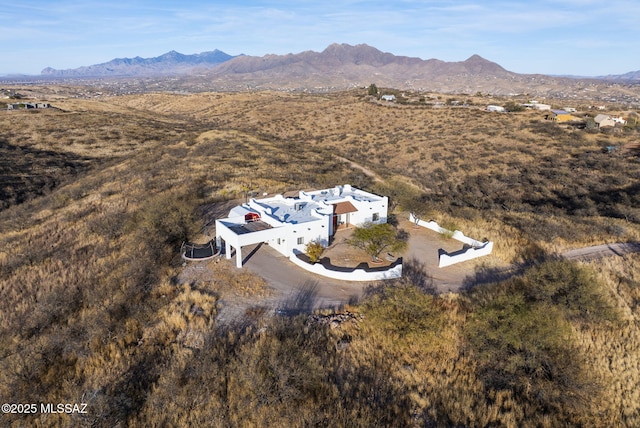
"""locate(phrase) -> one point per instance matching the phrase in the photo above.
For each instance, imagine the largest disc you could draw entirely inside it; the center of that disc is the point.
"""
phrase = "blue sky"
(581, 37)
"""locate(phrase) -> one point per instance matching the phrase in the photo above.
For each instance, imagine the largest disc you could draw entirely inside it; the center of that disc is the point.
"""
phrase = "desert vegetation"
(377, 238)
(98, 195)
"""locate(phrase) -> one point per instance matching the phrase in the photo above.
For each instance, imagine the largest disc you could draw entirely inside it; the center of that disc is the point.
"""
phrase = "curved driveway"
(288, 280)
(420, 262)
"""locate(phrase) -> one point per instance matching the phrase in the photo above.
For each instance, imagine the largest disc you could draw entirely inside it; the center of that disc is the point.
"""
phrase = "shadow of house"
(246, 259)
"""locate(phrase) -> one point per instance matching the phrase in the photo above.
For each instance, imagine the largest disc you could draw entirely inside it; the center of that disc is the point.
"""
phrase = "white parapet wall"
(354, 275)
(477, 248)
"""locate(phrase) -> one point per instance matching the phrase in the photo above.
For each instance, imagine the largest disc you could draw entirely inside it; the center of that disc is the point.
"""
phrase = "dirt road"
(365, 170)
(599, 251)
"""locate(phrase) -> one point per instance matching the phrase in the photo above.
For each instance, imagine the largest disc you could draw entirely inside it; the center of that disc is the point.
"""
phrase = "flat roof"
(252, 226)
(291, 210)
(307, 205)
(342, 192)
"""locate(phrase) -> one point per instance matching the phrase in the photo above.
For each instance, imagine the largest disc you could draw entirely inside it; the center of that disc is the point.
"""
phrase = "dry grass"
(552, 185)
(95, 306)
(614, 353)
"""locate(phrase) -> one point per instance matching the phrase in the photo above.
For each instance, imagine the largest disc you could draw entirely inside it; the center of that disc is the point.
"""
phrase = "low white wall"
(470, 254)
(355, 275)
(478, 249)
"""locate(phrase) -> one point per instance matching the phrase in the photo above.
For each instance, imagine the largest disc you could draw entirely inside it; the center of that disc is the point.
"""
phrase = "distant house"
(560, 116)
(498, 109)
(18, 106)
(604, 120)
(535, 105)
(388, 98)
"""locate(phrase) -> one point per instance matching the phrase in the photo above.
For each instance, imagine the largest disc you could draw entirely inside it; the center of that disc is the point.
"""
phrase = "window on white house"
(375, 217)
(301, 240)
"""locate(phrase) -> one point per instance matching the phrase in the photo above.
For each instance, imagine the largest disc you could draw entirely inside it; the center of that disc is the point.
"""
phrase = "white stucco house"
(291, 223)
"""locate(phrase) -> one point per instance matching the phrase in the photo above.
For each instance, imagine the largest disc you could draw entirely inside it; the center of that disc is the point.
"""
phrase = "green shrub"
(528, 349)
(574, 288)
(521, 334)
(314, 251)
(376, 238)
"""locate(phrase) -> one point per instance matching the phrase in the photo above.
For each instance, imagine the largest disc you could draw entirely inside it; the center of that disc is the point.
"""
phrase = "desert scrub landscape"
(515, 170)
(99, 194)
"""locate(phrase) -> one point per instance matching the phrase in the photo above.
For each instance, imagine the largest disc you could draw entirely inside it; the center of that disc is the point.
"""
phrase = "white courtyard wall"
(355, 275)
(477, 248)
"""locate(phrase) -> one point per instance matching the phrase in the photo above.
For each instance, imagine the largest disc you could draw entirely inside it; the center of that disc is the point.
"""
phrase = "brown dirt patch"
(340, 253)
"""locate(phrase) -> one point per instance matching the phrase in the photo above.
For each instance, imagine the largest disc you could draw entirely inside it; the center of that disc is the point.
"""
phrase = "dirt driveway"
(420, 261)
(599, 251)
(288, 280)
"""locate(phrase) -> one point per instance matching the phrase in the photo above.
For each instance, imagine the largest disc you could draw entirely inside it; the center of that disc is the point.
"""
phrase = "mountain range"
(169, 63)
(342, 66)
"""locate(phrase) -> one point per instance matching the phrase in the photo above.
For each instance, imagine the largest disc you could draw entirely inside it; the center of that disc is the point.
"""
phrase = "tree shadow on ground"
(489, 275)
(303, 301)
(416, 272)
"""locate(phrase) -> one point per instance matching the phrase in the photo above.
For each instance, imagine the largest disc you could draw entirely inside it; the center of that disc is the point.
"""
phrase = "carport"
(237, 235)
